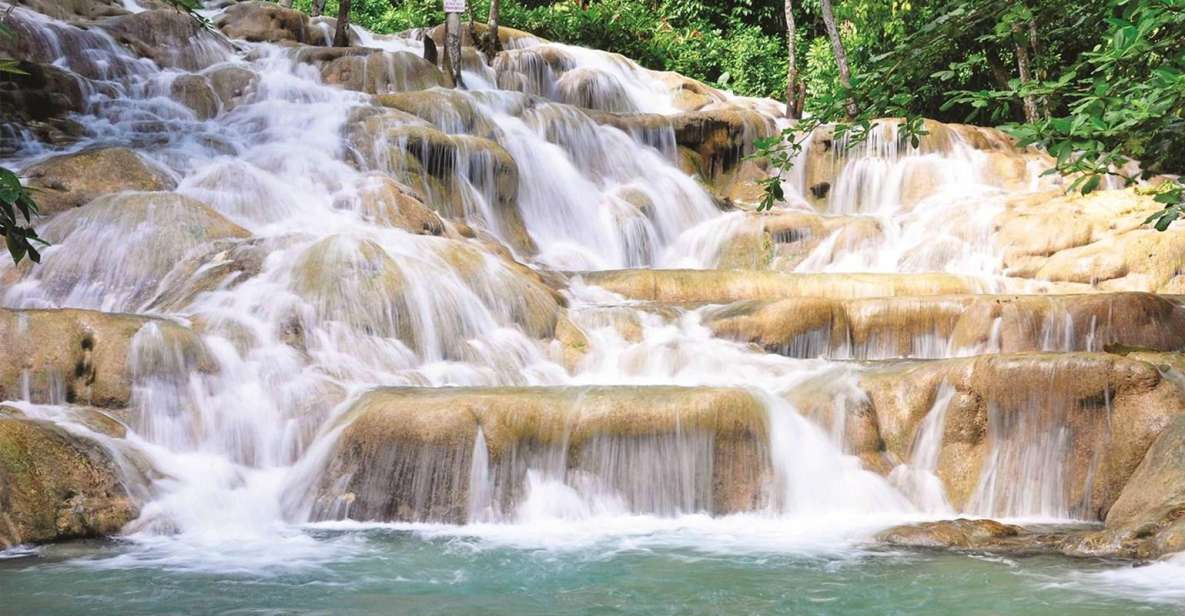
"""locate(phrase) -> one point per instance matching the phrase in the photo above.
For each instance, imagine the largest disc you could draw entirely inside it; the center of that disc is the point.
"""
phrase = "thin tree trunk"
(452, 48)
(318, 7)
(792, 110)
(1035, 45)
(286, 3)
(342, 37)
(495, 43)
(841, 58)
(1022, 67)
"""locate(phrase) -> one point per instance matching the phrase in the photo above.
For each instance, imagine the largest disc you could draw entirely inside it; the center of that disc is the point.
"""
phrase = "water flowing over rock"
(79, 356)
(169, 37)
(952, 325)
(117, 248)
(289, 284)
(654, 450)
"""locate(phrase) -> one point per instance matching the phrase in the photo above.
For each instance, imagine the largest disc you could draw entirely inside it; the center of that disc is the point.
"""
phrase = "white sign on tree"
(454, 6)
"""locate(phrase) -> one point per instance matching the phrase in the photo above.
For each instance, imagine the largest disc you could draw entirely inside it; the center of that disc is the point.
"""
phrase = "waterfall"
(313, 271)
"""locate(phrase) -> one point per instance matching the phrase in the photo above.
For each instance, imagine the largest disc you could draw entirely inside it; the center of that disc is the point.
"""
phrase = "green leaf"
(16, 245)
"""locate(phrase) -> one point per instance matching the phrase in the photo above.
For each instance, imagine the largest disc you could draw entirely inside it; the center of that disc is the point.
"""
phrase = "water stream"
(304, 300)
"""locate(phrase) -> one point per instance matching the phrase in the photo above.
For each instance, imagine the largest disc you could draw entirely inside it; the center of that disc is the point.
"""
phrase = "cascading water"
(279, 240)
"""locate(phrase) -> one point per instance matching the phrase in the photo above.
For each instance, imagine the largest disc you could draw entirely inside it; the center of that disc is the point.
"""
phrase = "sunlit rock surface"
(73, 180)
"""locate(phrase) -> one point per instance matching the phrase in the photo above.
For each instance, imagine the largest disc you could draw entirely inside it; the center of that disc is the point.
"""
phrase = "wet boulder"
(195, 92)
(79, 356)
(445, 169)
(937, 326)
(323, 29)
(782, 240)
(358, 284)
(55, 485)
(826, 156)
(41, 92)
(1148, 518)
(69, 181)
(387, 202)
(960, 534)
(78, 11)
(408, 454)
(354, 282)
(594, 89)
(688, 94)
(222, 265)
(93, 263)
(233, 85)
(171, 38)
(510, 38)
(264, 22)
(716, 141)
(1093, 416)
(381, 72)
(449, 111)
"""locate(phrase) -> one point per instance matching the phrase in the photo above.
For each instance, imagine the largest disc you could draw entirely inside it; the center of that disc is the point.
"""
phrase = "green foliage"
(16, 212)
(385, 16)
(191, 7)
(1121, 101)
(736, 45)
(15, 202)
(739, 44)
(1108, 78)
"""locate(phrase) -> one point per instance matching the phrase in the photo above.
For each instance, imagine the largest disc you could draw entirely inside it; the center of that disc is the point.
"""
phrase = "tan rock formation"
(1094, 414)
(55, 485)
(1096, 239)
(73, 180)
(942, 326)
(727, 286)
(79, 356)
(406, 454)
(259, 21)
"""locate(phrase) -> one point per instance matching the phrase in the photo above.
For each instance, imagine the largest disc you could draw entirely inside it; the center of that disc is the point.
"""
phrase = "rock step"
(88, 358)
(448, 454)
(953, 325)
(1084, 419)
(415, 453)
(728, 286)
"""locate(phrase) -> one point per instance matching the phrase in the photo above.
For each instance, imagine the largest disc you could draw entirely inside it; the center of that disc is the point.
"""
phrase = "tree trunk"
(495, 44)
(452, 49)
(841, 58)
(342, 37)
(286, 3)
(1022, 67)
(792, 110)
(318, 7)
(1035, 45)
